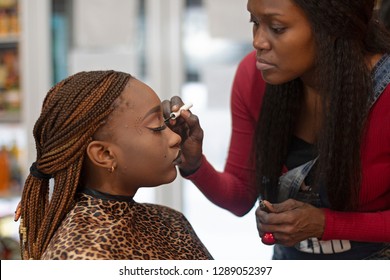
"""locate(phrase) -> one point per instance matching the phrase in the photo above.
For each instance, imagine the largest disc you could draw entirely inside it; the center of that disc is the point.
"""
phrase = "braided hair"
(72, 112)
(345, 32)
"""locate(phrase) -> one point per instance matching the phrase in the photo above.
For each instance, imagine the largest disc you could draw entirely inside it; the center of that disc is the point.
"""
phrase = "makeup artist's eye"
(158, 129)
(278, 29)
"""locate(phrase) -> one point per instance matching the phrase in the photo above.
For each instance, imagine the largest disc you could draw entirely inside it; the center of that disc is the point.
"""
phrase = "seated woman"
(101, 135)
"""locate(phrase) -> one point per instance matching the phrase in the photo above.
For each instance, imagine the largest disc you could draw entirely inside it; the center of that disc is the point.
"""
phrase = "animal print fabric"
(100, 229)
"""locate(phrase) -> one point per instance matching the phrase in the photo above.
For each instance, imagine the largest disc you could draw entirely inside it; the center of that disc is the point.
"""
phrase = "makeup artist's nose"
(260, 40)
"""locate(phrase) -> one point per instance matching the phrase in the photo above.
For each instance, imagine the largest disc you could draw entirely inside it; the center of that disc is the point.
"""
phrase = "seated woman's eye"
(158, 129)
(253, 20)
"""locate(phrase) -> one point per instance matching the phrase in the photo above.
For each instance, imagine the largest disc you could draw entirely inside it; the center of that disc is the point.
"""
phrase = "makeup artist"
(310, 131)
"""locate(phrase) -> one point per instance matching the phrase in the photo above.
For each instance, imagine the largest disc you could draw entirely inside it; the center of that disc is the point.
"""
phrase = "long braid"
(72, 112)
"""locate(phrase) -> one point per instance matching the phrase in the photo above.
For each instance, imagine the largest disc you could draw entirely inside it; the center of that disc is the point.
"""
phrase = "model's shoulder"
(83, 251)
(160, 210)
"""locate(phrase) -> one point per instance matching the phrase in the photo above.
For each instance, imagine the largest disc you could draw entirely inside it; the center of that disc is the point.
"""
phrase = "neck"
(106, 196)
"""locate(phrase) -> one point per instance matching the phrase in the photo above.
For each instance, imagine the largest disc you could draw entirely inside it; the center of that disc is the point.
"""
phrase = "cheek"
(298, 57)
(304, 48)
(137, 127)
(144, 148)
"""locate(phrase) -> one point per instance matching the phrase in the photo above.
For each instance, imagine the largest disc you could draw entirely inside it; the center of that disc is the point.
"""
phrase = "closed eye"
(158, 129)
(253, 20)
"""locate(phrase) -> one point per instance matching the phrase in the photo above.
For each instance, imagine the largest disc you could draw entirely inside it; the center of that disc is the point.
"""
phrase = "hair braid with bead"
(71, 113)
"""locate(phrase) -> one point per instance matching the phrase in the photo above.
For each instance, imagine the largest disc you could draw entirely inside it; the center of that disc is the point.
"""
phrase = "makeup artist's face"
(283, 39)
(146, 149)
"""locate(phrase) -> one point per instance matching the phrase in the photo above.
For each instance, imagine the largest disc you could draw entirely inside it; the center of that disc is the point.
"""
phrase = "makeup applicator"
(176, 114)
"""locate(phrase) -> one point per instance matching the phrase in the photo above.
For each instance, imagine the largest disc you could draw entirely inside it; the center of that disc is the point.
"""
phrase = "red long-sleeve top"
(233, 189)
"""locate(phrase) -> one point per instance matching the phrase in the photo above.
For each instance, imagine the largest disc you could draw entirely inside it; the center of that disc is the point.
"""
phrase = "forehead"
(272, 7)
(136, 100)
(138, 97)
(130, 108)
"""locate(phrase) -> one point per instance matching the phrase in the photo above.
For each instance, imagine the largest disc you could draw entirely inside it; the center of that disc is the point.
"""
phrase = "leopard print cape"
(106, 229)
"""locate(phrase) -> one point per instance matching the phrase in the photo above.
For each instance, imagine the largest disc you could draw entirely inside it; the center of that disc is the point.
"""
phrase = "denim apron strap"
(291, 181)
(381, 77)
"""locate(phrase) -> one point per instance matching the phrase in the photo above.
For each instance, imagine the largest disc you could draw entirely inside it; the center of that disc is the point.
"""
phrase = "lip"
(178, 160)
(263, 65)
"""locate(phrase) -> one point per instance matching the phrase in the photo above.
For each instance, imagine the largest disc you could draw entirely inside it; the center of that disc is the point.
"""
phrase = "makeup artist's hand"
(188, 127)
(291, 221)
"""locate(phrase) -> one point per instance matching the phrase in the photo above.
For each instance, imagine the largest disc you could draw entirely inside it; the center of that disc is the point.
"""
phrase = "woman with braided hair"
(101, 136)
(310, 131)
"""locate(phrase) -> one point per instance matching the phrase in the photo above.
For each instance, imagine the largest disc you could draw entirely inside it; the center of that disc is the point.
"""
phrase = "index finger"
(287, 205)
(172, 105)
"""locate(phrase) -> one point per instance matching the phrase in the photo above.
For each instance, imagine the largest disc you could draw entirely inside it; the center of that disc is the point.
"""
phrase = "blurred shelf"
(10, 117)
(9, 39)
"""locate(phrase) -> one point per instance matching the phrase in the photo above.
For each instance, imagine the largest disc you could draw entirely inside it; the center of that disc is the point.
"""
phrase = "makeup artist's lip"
(263, 65)
(178, 159)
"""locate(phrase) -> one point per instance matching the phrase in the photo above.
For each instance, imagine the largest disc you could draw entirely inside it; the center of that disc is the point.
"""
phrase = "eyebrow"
(269, 15)
(151, 111)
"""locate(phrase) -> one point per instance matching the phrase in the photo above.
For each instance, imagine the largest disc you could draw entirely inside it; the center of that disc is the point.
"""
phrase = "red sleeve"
(364, 227)
(233, 189)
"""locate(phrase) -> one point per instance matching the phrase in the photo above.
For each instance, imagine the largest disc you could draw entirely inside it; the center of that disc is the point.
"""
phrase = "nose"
(260, 40)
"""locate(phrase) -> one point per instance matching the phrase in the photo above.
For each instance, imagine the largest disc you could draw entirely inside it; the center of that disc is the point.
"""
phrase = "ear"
(101, 154)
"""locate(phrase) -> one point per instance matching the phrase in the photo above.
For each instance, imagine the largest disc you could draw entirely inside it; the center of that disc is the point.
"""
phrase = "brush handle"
(176, 114)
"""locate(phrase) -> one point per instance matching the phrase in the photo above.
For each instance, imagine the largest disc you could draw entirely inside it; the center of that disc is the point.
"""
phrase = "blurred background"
(189, 48)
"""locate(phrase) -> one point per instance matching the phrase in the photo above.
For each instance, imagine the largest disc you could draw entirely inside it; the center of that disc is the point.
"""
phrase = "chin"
(170, 177)
(273, 79)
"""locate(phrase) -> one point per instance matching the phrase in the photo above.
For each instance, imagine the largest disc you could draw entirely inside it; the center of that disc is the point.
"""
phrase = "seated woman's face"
(146, 150)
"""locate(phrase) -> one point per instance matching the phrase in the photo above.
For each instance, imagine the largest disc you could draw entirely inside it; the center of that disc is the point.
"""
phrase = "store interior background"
(189, 48)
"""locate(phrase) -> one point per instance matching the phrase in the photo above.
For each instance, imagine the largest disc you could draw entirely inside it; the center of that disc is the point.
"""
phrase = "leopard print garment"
(109, 229)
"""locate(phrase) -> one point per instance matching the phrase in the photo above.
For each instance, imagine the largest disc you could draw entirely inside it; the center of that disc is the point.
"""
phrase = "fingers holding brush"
(266, 237)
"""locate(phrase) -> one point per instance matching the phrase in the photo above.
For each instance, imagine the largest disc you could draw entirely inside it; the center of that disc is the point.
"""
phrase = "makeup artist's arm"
(231, 189)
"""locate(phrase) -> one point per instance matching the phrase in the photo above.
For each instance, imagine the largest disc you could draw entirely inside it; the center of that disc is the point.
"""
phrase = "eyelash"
(278, 30)
(158, 129)
(253, 20)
